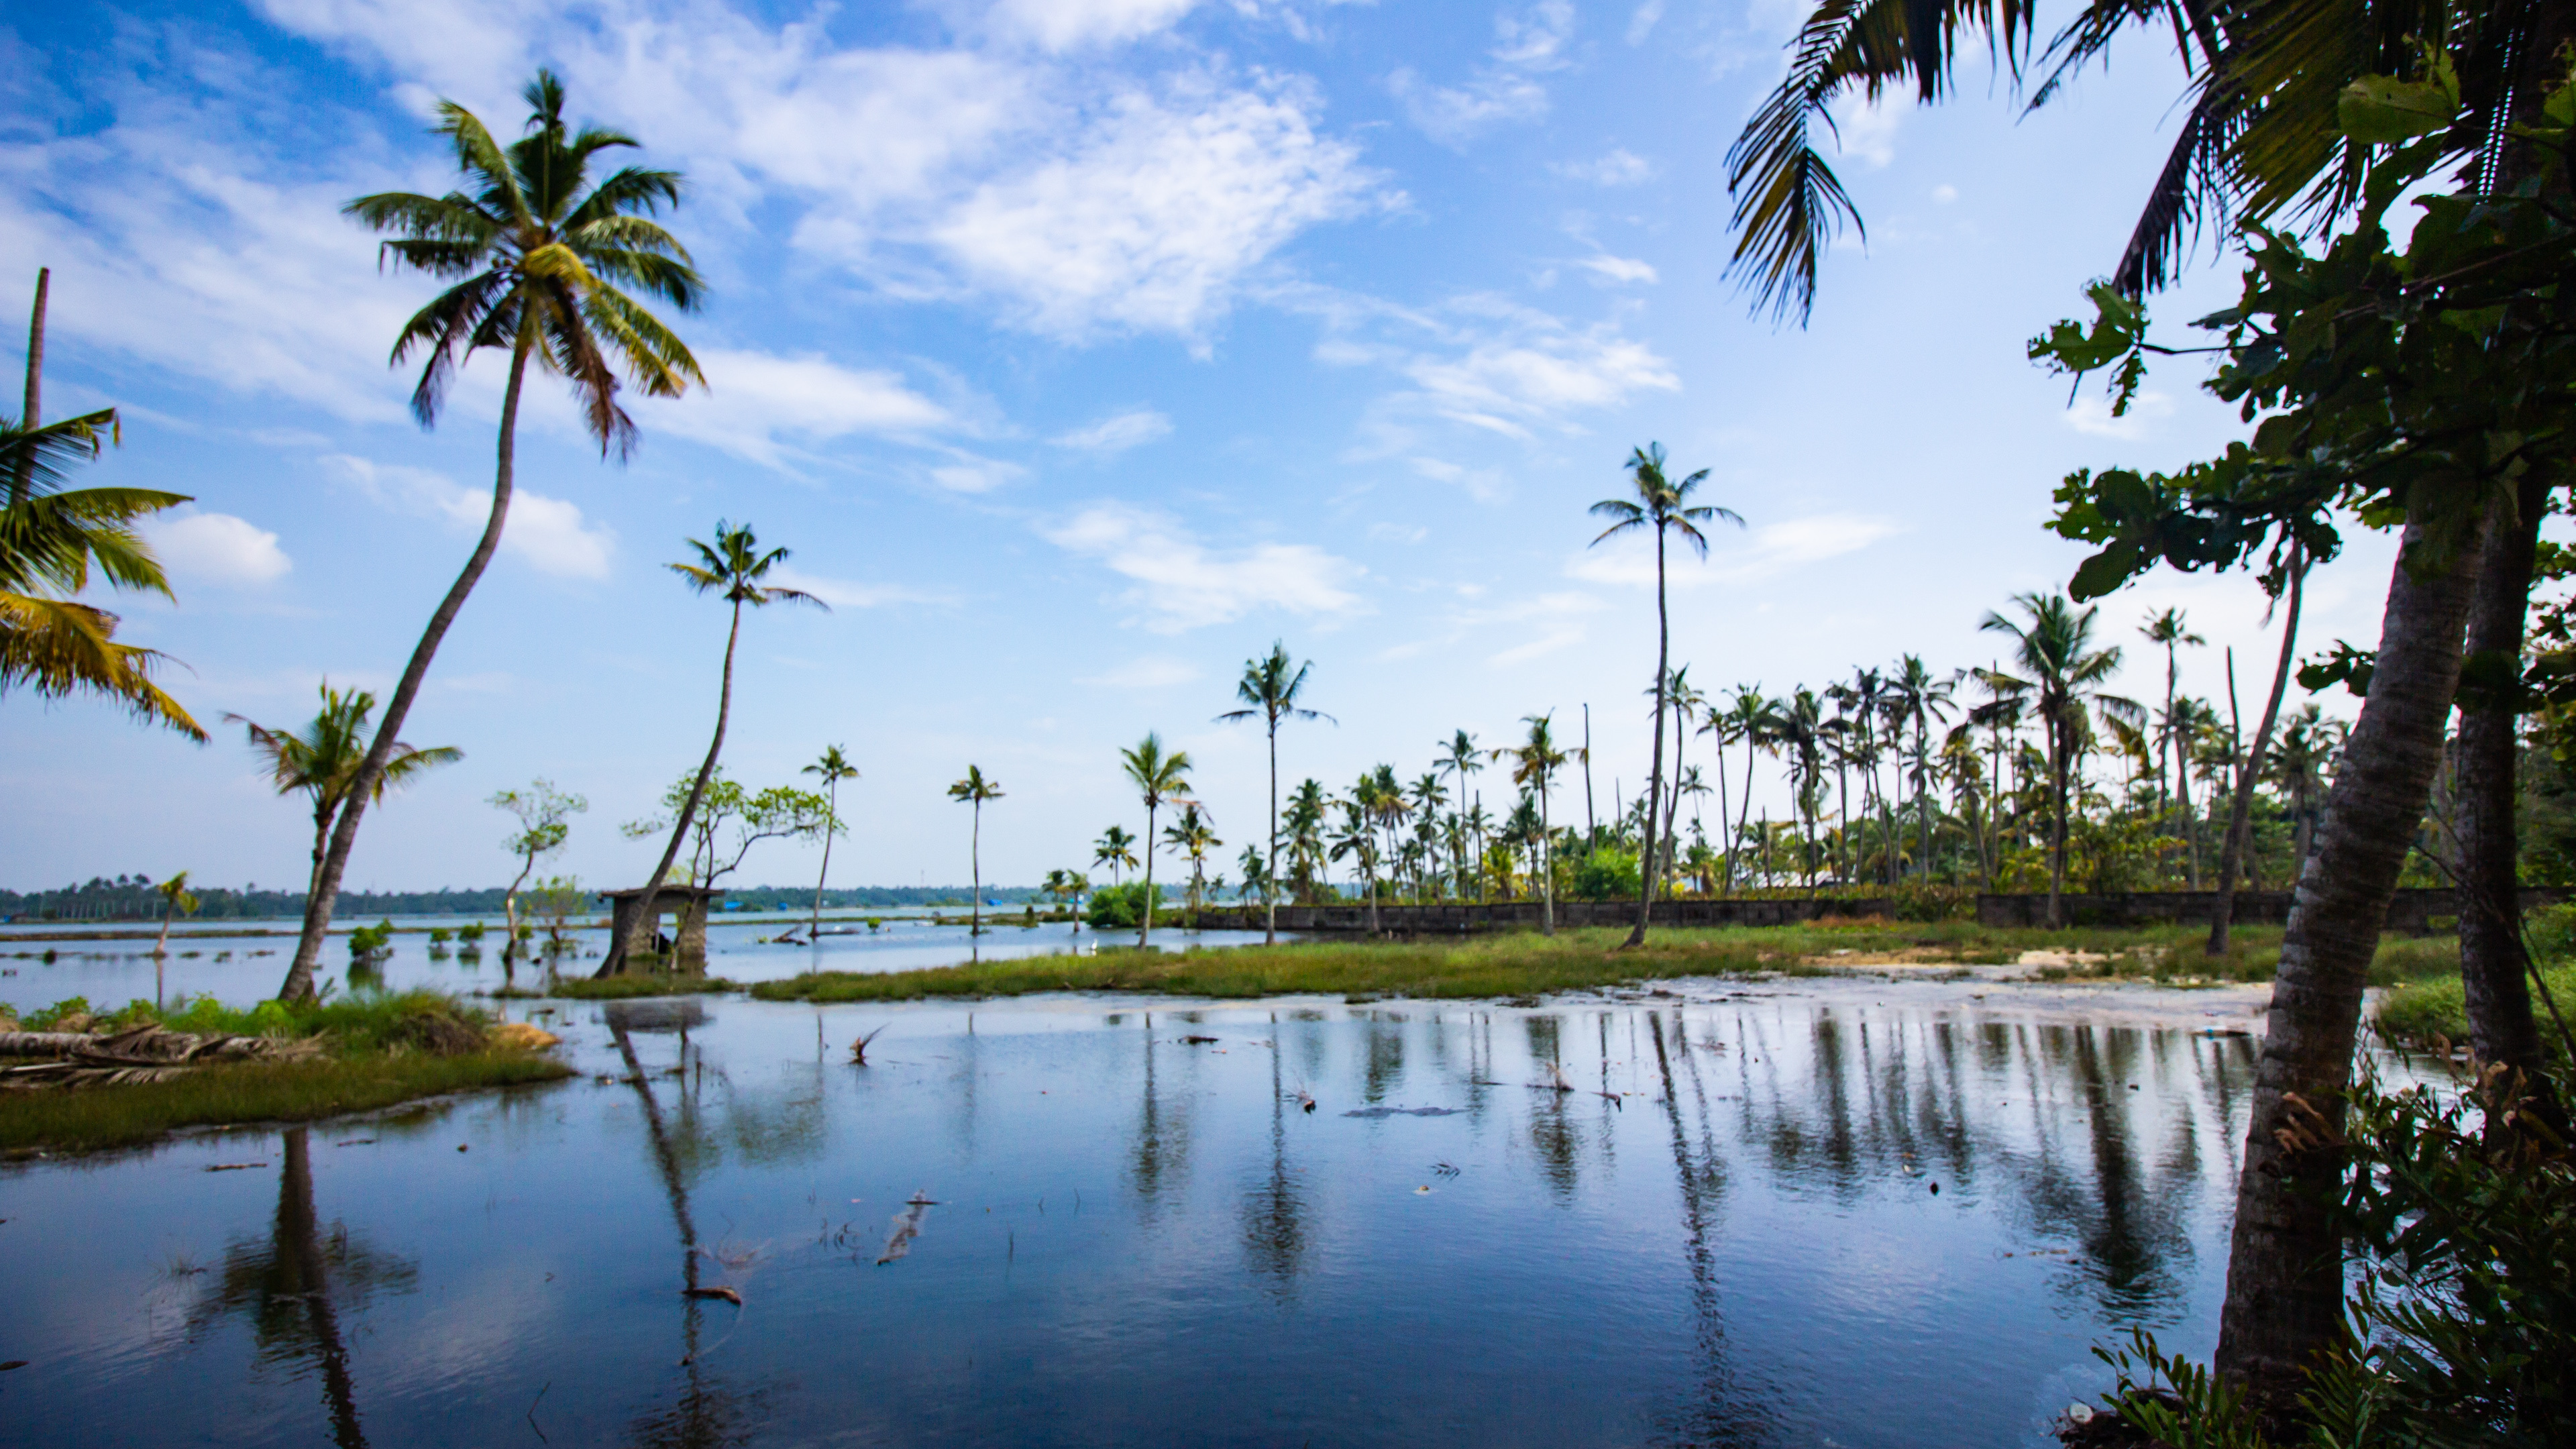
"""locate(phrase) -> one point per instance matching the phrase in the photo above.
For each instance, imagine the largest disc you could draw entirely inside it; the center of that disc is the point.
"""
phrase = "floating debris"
(1306, 1100)
(907, 1226)
(859, 1048)
(727, 1294)
(1379, 1114)
(1199, 1040)
(235, 1166)
(1444, 1169)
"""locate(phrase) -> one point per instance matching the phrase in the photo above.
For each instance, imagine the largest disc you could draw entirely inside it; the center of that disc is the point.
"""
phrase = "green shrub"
(470, 934)
(1923, 901)
(1607, 874)
(371, 944)
(1118, 907)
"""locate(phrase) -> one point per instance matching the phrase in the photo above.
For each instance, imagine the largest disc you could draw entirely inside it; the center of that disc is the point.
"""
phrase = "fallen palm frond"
(145, 1053)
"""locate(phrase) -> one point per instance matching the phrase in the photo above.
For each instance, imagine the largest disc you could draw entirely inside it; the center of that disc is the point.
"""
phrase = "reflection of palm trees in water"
(1162, 1141)
(1724, 1412)
(707, 1413)
(1553, 1134)
(288, 1285)
(1274, 1211)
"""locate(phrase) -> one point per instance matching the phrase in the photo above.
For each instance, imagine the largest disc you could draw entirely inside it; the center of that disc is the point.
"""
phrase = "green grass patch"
(92, 1118)
(2413, 1013)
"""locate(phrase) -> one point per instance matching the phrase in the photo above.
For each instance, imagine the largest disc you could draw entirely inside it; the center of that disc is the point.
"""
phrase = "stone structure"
(689, 946)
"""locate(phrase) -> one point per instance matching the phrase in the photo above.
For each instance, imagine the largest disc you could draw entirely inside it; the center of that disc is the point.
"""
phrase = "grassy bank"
(1526, 964)
(2415, 1013)
(376, 1049)
(617, 988)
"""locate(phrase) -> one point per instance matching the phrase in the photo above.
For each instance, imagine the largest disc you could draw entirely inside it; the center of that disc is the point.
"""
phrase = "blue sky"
(1077, 349)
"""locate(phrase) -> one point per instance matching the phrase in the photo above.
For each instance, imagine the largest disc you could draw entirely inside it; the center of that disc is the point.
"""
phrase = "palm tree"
(1923, 697)
(1359, 840)
(50, 539)
(1068, 886)
(732, 566)
(1754, 719)
(975, 790)
(1269, 690)
(537, 262)
(1535, 761)
(1192, 836)
(1428, 797)
(1688, 702)
(2054, 646)
(1115, 849)
(2169, 630)
(176, 900)
(1305, 831)
(832, 769)
(322, 759)
(543, 828)
(1460, 757)
(1664, 506)
(1158, 776)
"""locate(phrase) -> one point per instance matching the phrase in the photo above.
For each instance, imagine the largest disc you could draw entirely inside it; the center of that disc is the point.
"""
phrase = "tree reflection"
(1274, 1212)
(1162, 1143)
(295, 1285)
(1553, 1133)
(1722, 1412)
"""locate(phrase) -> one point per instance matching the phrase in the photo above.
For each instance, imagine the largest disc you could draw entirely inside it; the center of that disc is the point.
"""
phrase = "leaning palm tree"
(322, 757)
(1535, 761)
(51, 537)
(1269, 690)
(537, 258)
(1158, 775)
(1664, 506)
(732, 566)
(2054, 646)
(975, 790)
(832, 769)
(176, 900)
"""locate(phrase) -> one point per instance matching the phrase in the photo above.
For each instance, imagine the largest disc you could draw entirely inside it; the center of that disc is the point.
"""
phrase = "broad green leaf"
(2384, 110)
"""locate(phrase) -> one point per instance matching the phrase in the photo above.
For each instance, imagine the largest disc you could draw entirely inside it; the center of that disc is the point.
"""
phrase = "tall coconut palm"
(1459, 756)
(1753, 718)
(1269, 690)
(1193, 836)
(1535, 761)
(975, 790)
(1688, 702)
(1304, 826)
(322, 757)
(2053, 644)
(1359, 840)
(1158, 775)
(1921, 698)
(831, 769)
(1664, 505)
(2170, 630)
(1428, 797)
(1115, 849)
(537, 257)
(732, 567)
(51, 537)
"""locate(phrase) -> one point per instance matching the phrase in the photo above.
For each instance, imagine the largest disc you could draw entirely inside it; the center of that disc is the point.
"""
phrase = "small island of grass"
(284, 1063)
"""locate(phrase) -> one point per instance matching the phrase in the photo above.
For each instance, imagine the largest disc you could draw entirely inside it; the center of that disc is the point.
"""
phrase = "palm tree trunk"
(1145, 932)
(24, 474)
(2057, 752)
(646, 917)
(975, 873)
(325, 894)
(1547, 863)
(2284, 1269)
(2493, 961)
(1270, 872)
(2240, 812)
(832, 812)
(1655, 773)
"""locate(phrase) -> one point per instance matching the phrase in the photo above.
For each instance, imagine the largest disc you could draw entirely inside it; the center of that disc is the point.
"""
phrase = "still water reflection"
(1709, 1220)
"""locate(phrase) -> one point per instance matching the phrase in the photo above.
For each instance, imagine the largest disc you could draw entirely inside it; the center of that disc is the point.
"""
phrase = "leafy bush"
(470, 934)
(369, 945)
(1607, 874)
(1916, 900)
(2461, 1214)
(1118, 907)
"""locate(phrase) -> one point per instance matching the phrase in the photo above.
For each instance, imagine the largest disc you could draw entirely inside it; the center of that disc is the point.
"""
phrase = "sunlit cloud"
(1181, 583)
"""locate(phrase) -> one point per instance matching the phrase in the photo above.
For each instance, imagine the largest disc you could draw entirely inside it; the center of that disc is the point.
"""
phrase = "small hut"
(687, 949)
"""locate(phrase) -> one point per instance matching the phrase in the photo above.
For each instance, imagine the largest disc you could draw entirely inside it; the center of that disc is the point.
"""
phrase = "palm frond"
(56, 648)
(482, 158)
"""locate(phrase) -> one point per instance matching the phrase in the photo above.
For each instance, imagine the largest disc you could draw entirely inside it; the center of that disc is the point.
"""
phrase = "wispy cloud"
(1117, 433)
(1182, 583)
(217, 548)
(845, 594)
(1619, 167)
(548, 534)
(1769, 551)
(1526, 44)
(1149, 672)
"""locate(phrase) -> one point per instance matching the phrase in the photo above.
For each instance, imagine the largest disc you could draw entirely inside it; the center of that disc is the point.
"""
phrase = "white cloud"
(1529, 43)
(548, 534)
(1770, 550)
(1118, 433)
(754, 402)
(1482, 484)
(1552, 621)
(217, 548)
(2090, 414)
(1149, 672)
(1945, 193)
(1642, 22)
(1067, 24)
(1621, 167)
(1151, 219)
(1865, 130)
(970, 474)
(1617, 269)
(1182, 583)
(1512, 385)
(844, 594)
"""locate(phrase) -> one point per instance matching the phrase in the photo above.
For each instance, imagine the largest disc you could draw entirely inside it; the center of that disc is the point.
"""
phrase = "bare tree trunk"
(1145, 933)
(2240, 812)
(1270, 881)
(22, 477)
(832, 811)
(1646, 860)
(2493, 962)
(2284, 1268)
(325, 894)
(646, 919)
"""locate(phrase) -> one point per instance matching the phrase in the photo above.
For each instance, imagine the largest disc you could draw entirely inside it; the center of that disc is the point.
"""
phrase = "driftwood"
(144, 1053)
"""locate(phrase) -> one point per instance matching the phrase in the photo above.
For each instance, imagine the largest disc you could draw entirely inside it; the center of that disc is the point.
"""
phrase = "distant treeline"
(132, 898)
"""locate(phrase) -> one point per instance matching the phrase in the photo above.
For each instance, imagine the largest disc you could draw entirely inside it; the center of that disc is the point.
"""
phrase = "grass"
(1526, 964)
(2414, 1013)
(93, 1118)
(380, 1048)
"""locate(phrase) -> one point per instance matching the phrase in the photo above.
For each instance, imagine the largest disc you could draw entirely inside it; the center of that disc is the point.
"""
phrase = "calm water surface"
(1064, 1222)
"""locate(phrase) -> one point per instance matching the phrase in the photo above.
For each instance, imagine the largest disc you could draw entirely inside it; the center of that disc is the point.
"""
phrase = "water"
(1127, 1237)
(244, 965)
